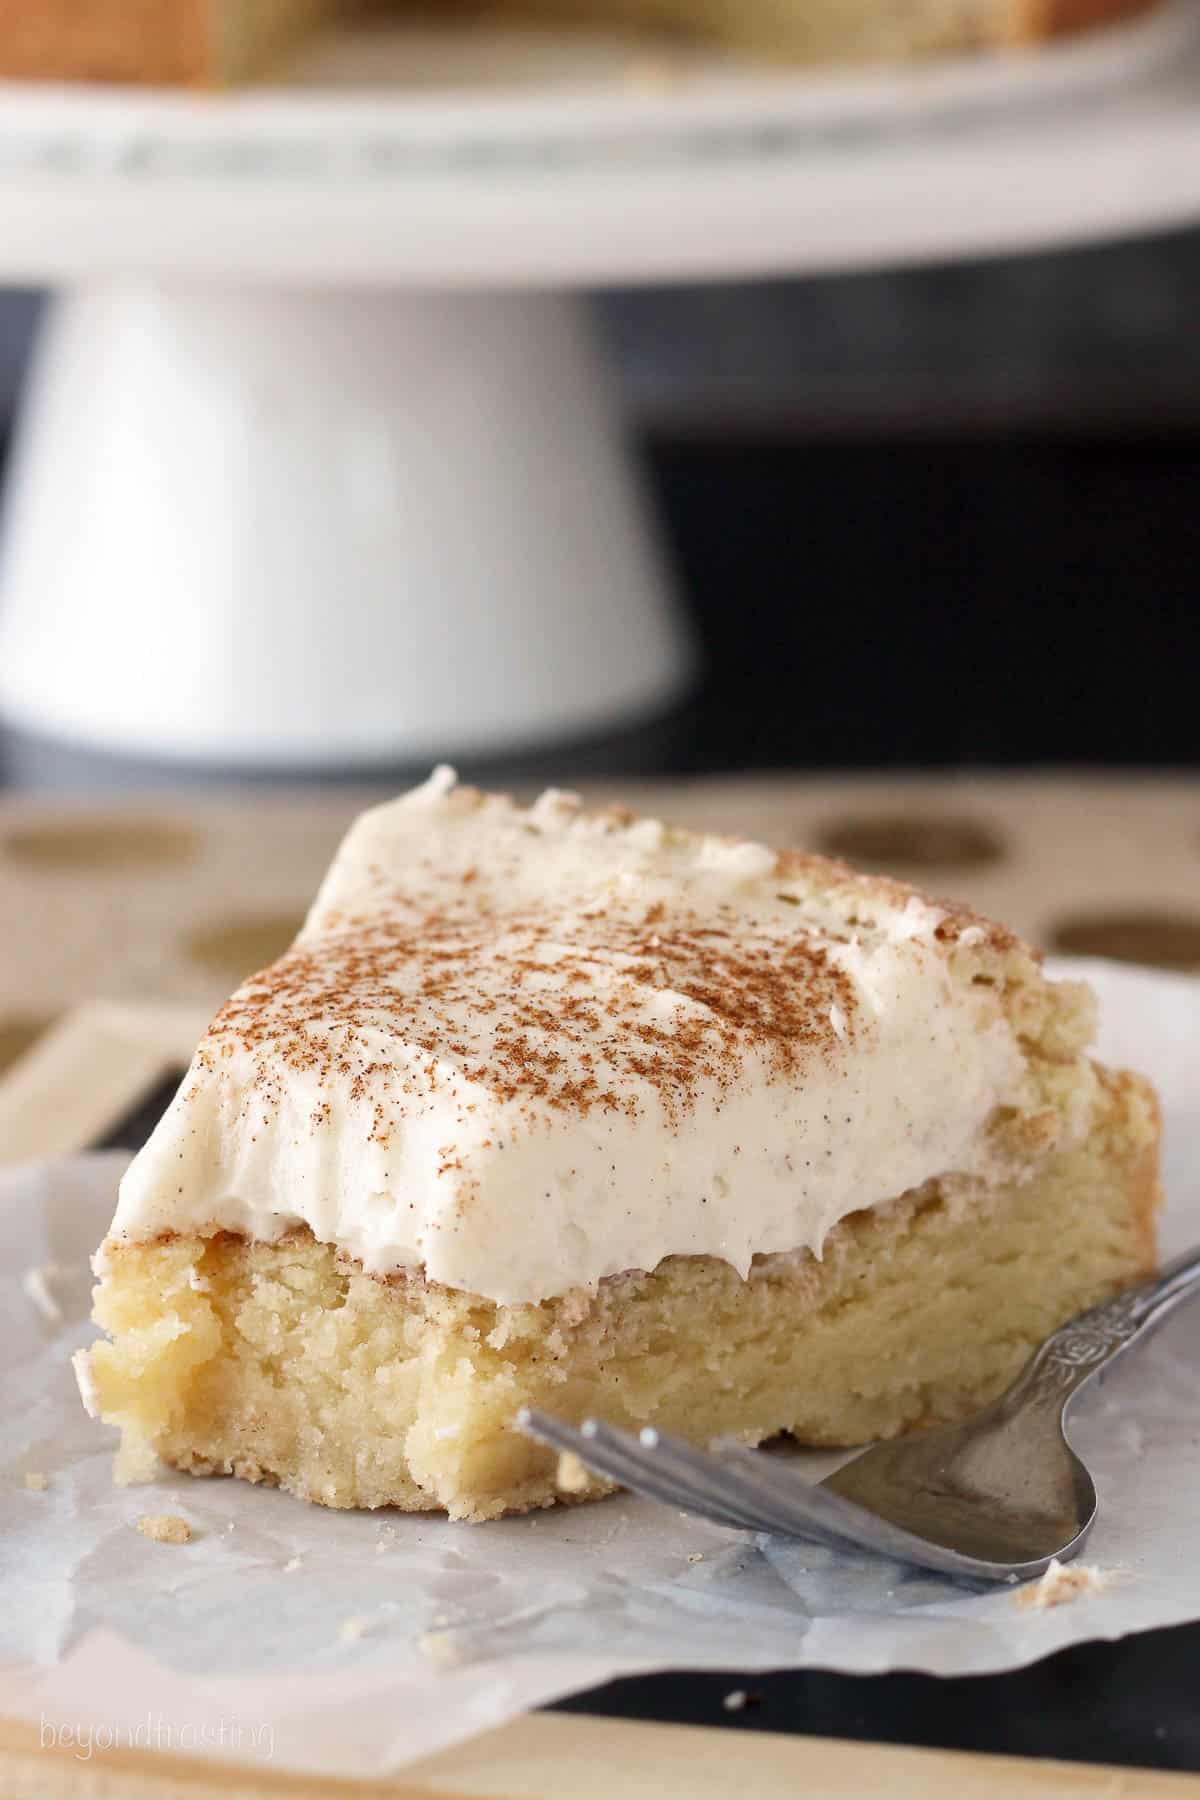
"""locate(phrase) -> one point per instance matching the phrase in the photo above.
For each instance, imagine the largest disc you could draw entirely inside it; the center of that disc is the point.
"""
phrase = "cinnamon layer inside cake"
(285, 1363)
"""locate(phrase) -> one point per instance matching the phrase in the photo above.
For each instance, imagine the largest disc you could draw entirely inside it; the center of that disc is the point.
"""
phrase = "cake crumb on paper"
(695, 1556)
(439, 1648)
(353, 1628)
(165, 1528)
(36, 1285)
(36, 1480)
(292, 1563)
(571, 1476)
(135, 1463)
(1063, 1582)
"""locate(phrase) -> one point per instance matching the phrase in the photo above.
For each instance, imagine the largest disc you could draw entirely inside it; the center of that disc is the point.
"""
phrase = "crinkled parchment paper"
(356, 1642)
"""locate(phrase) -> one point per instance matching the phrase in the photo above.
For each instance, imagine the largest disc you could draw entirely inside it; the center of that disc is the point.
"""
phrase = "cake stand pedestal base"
(289, 528)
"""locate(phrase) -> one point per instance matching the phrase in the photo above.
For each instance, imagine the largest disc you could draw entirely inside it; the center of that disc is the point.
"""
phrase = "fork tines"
(740, 1487)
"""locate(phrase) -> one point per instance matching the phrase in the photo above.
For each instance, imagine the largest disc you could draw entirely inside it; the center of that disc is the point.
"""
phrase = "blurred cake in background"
(212, 43)
(200, 43)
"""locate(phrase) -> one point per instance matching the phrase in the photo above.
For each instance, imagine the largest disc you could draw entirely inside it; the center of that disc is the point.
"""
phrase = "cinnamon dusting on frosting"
(668, 1008)
(525, 1049)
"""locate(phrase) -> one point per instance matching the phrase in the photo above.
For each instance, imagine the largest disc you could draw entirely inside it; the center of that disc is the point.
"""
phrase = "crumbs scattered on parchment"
(441, 1649)
(1061, 1583)
(292, 1564)
(695, 1556)
(36, 1283)
(165, 1528)
(385, 1540)
(571, 1476)
(353, 1628)
(36, 1480)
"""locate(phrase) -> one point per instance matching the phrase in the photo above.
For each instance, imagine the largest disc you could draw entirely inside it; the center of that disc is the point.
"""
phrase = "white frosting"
(524, 1050)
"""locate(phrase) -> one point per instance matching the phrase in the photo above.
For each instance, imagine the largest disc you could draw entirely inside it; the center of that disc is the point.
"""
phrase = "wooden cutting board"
(552, 1755)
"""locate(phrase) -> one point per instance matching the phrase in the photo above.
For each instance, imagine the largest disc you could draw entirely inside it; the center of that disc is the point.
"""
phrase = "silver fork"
(997, 1498)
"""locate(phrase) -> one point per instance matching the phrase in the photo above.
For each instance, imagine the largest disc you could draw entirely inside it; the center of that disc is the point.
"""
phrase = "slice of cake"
(576, 1111)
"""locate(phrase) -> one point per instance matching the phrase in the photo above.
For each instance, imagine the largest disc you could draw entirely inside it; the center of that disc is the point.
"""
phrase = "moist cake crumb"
(1063, 1582)
(571, 1475)
(165, 1528)
(36, 1480)
(441, 1649)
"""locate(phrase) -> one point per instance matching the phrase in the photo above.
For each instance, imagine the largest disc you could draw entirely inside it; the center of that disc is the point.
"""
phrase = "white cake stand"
(317, 465)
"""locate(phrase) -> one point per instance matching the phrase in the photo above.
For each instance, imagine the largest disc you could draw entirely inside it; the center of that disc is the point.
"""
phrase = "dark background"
(932, 517)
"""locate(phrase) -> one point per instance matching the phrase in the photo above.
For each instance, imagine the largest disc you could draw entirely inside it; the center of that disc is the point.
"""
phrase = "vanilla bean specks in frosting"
(519, 1050)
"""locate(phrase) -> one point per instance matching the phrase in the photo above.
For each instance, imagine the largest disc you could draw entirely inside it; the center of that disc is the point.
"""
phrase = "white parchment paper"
(353, 1643)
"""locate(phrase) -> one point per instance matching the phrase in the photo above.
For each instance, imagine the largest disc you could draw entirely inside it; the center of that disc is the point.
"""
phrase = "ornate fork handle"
(1071, 1356)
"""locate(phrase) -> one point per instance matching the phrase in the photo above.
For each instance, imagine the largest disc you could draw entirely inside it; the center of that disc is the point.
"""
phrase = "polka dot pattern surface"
(899, 843)
(101, 847)
(1167, 940)
(178, 898)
